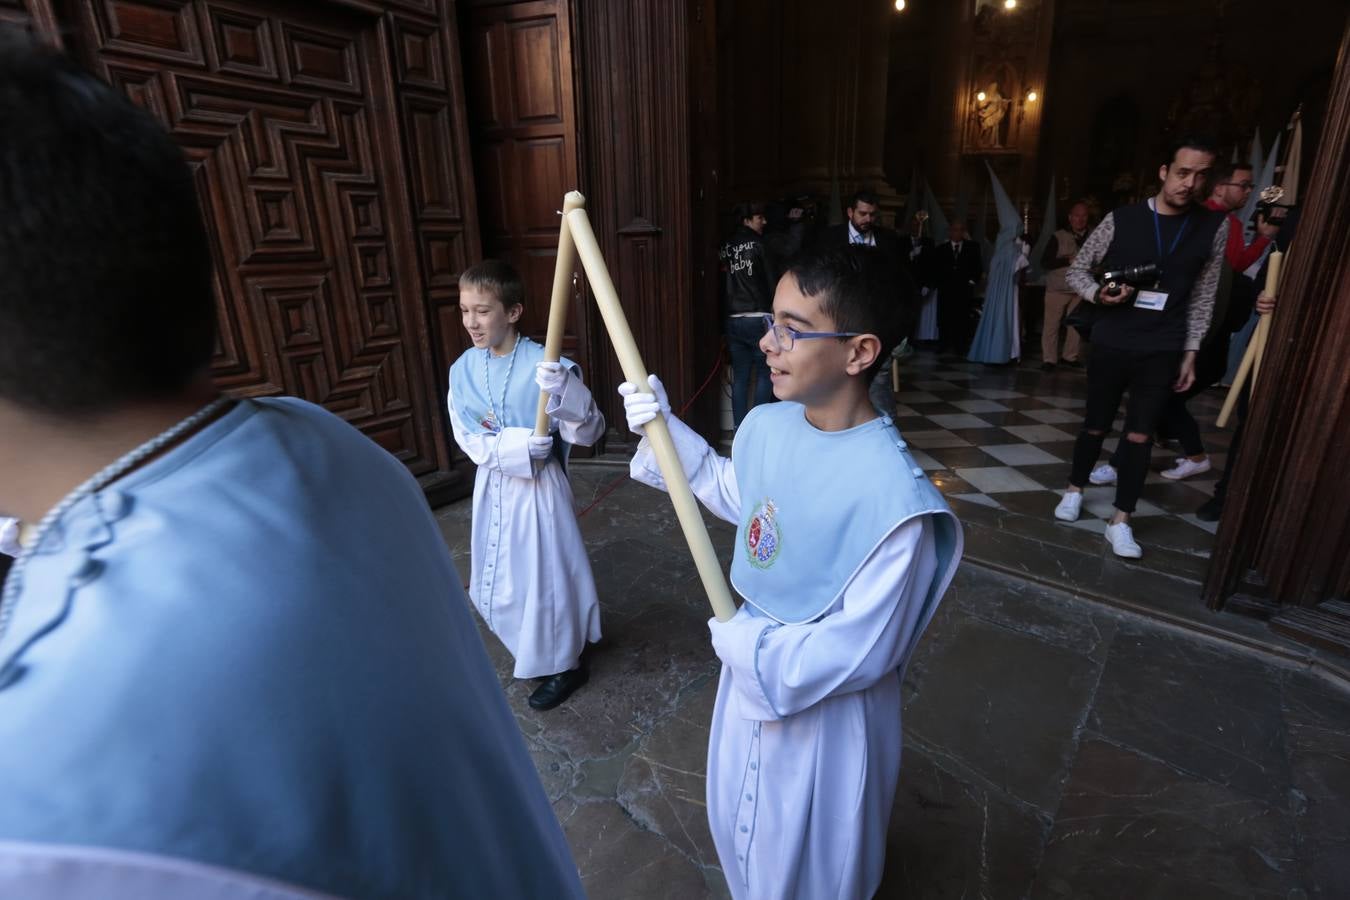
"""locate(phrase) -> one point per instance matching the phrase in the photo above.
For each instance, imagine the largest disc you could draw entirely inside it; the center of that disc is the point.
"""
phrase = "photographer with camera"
(1232, 185)
(1162, 259)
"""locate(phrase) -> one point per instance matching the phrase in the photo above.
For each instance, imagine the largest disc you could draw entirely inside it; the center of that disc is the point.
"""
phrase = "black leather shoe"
(557, 688)
(1210, 510)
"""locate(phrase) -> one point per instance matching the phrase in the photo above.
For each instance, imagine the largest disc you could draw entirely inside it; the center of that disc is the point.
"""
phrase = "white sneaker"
(1103, 474)
(1122, 542)
(1186, 467)
(1070, 506)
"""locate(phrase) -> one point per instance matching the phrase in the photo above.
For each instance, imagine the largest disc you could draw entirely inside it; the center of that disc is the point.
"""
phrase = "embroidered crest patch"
(762, 538)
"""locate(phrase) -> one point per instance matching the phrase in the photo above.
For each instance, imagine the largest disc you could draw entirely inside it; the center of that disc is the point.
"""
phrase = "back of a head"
(862, 291)
(104, 262)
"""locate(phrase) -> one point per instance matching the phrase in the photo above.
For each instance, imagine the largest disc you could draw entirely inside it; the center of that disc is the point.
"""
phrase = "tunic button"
(901, 444)
(754, 766)
(114, 504)
(918, 472)
(750, 796)
(86, 573)
(745, 829)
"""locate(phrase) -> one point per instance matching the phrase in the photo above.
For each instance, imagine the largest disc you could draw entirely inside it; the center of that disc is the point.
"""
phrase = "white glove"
(551, 377)
(540, 448)
(9, 537)
(641, 408)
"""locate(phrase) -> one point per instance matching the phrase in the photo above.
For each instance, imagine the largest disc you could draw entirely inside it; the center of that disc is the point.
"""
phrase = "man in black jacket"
(955, 267)
(747, 294)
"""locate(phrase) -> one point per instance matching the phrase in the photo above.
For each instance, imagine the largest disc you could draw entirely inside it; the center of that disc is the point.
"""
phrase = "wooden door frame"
(1285, 525)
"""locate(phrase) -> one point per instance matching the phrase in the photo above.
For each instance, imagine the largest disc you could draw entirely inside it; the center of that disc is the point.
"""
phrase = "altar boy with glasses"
(842, 551)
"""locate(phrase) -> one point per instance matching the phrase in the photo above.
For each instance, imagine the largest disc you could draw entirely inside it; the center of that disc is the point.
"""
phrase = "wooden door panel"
(541, 165)
(490, 77)
(328, 142)
(15, 12)
(537, 91)
(523, 128)
(493, 163)
(35, 15)
(282, 116)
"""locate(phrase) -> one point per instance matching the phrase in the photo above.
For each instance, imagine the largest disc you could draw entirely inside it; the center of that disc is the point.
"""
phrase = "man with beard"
(1145, 339)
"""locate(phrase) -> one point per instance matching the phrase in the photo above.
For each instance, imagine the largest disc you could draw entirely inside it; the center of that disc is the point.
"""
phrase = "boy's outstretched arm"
(512, 451)
(570, 403)
(711, 477)
(780, 670)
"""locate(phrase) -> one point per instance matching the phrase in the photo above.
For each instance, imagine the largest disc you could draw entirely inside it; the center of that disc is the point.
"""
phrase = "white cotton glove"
(551, 377)
(9, 537)
(641, 408)
(540, 448)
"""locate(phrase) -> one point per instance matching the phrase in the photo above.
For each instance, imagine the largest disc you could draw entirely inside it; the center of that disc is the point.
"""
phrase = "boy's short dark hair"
(743, 211)
(1190, 142)
(864, 195)
(105, 269)
(498, 278)
(861, 290)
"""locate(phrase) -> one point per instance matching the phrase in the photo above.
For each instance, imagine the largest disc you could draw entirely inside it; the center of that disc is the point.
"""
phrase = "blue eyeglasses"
(785, 336)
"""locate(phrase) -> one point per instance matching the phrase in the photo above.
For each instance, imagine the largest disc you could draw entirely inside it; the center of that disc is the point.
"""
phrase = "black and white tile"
(1002, 437)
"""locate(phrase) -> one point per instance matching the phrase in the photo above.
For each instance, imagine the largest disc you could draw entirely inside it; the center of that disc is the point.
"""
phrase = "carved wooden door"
(36, 15)
(522, 123)
(326, 137)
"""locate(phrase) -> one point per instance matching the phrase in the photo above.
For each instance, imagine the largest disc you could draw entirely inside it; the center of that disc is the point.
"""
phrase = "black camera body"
(1270, 208)
(1141, 276)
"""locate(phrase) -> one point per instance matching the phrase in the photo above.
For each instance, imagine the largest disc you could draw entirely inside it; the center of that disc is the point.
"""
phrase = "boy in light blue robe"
(530, 578)
(235, 660)
(843, 550)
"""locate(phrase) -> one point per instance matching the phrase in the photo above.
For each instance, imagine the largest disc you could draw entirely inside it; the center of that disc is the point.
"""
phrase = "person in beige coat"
(1060, 300)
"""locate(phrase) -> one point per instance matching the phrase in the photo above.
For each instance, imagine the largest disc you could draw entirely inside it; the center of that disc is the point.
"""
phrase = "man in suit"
(862, 227)
(955, 267)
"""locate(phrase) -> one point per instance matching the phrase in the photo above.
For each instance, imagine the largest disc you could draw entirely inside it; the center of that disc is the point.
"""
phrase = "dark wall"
(802, 95)
(1125, 77)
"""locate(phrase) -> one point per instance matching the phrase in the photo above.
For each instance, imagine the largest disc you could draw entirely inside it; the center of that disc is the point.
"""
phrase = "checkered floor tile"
(1002, 437)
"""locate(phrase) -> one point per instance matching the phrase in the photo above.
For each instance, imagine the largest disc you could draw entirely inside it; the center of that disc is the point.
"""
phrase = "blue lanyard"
(1157, 233)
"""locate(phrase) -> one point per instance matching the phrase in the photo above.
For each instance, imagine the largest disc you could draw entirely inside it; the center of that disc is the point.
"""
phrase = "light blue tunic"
(816, 504)
(254, 653)
(530, 577)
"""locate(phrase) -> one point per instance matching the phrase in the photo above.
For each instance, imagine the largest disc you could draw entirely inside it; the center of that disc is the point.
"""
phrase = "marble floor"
(1055, 748)
(1002, 437)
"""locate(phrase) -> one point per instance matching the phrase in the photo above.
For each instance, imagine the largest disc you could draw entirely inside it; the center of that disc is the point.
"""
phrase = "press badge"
(1153, 300)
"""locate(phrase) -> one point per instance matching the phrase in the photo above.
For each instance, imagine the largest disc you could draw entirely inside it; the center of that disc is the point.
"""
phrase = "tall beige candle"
(658, 433)
(558, 303)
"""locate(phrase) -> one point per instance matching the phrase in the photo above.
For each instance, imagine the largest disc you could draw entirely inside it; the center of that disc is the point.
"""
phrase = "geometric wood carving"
(284, 114)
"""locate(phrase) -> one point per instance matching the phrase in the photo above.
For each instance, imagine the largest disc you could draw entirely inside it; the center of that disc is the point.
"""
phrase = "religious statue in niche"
(991, 113)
